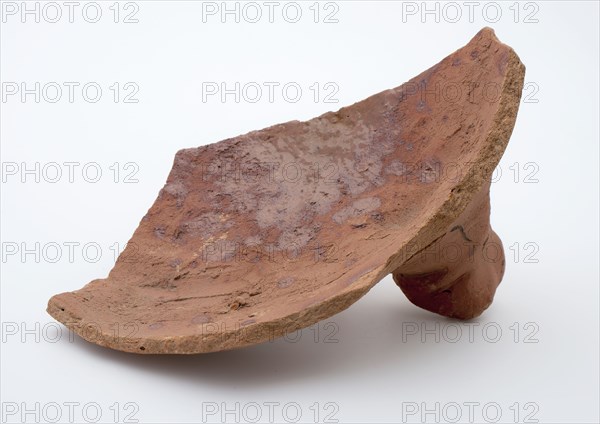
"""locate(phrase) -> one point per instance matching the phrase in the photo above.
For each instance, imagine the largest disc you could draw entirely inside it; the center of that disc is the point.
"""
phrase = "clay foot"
(457, 275)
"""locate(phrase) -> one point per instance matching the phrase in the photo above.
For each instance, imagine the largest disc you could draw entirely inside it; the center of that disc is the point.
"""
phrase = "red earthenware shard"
(274, 230)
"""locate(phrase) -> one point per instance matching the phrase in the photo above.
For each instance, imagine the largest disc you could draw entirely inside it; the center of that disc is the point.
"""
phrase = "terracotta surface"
(274, 230)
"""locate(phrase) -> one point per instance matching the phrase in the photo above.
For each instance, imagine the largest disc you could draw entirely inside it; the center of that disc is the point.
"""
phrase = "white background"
(362, 365)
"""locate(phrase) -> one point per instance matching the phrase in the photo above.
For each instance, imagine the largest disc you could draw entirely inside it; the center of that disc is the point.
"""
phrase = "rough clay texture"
(277, 229)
